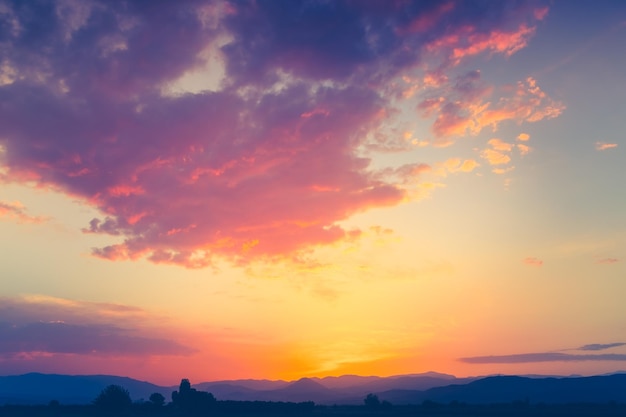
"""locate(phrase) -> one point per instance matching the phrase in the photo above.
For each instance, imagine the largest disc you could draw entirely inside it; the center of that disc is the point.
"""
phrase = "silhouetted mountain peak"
(305, 385)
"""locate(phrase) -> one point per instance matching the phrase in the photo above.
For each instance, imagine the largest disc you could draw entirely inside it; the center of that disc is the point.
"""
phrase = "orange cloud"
(523, 149)
(457, 165)
(465, 106)
(523, 137)
(500, 145)
(532, 261)
(601, 146)
(495, 157)
(501, 171)
(468, 165)
(501, 42)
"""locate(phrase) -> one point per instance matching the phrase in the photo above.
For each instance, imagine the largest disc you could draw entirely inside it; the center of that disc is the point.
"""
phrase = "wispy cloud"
(465, 106)
(602, 146)
(39, 324)
(18, 212)
(601, 346)
(523, 149)
(532, 261)
(543, 357)
(607, 261)
(554, 356)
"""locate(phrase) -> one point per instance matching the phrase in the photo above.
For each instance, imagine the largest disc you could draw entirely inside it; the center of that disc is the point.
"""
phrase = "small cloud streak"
(543, 357)
(607, 261)
(454, 165)
(532, 261)
(523, 149)
(601, 346)
(602, 146)
(501, 171)
(524, 137)
(500, 145)
(17, 211)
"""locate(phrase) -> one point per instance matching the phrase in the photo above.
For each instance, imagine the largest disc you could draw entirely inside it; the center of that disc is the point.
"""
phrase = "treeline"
(115, 400)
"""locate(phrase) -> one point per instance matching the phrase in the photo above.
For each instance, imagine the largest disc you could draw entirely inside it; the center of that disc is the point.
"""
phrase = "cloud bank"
(17, 211)
(554, 356)
(52, 326)
(267, 161)
(543, 357)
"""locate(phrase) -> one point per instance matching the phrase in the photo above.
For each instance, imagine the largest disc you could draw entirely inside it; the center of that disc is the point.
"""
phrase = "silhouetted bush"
(157, 399)
(371, 401)
(113, 398)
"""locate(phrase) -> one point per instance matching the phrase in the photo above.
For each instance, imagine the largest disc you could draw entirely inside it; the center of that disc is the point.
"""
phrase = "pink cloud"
(532, 261)
(269, 163)
(17, 211)
(500, 42)
(466, 106)
(607, 261)
(601, 146)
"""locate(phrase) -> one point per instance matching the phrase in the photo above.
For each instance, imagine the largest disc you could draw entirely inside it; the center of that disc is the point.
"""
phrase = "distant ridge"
(506, 389)
(36, 388)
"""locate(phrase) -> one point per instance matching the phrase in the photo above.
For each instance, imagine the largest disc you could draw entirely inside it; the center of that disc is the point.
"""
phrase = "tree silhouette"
(372, 401)
(190, 399)
(113, 398)
(157, 399)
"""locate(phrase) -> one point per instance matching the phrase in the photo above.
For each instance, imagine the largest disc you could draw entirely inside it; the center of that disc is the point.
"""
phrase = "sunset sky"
(279, 189)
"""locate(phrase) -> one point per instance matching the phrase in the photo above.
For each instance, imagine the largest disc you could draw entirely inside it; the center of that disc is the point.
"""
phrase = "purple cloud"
(601, 346)
(58, 337)
(544, 357)
(266, 164)
(57, 326)
(547, 357)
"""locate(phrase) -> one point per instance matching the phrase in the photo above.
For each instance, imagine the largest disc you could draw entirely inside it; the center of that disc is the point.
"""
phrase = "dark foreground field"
(310, 410)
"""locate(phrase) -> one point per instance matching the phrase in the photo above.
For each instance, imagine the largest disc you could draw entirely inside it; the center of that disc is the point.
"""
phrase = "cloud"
(454, 165)
(59, 337)
(523, 149)
(17, 211)
(466, 106)
(607, 261)
(501, 171)
(495, 157)
(543, 357)
(267, 162)
(602, 146)
(524, 137)
(601, 346)
(48, 325)
(500, 145)
(532, 261)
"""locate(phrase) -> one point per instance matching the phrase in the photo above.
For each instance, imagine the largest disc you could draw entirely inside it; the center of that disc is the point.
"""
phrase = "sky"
(283, 189)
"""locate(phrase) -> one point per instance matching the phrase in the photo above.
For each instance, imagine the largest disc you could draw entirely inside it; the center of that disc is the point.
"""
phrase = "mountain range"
(35, 388)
